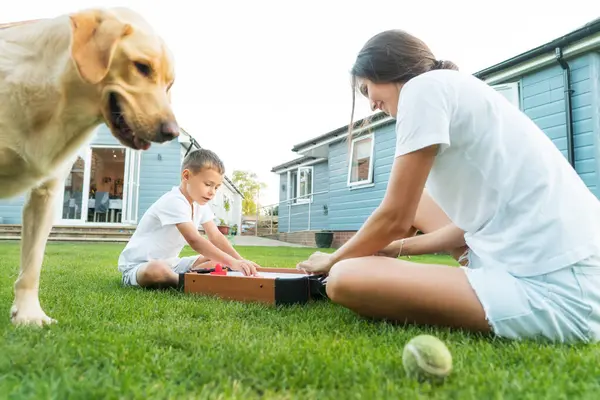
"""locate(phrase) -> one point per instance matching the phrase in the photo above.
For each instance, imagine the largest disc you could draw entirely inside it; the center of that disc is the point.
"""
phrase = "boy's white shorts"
(178, 265)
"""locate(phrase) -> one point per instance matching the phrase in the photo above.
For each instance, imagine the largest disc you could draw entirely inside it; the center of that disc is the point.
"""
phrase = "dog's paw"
(26, 311)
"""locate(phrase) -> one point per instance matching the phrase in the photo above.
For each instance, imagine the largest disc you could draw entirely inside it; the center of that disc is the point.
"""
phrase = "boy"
(151, 258)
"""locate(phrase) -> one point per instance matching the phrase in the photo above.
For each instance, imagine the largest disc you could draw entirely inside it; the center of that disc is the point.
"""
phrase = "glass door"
(131, 186)
(106, 191)
(72, 205)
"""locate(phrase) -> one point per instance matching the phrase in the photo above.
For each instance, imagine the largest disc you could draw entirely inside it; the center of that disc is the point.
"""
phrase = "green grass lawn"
(113, 342)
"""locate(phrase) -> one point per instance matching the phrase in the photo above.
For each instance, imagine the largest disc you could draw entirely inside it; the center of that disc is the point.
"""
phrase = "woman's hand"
(318, 263)
(392, 251)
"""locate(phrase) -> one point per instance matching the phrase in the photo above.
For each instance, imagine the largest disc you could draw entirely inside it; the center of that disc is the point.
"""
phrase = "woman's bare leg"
(397, 290)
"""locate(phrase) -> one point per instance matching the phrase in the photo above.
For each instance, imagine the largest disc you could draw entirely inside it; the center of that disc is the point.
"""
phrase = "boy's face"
(203, 185)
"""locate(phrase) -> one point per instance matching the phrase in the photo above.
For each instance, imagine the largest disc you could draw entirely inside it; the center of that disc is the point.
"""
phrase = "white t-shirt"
(497, 175)
(156, 236)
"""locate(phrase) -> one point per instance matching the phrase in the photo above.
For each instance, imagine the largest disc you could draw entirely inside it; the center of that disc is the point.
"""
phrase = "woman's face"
(382, 96)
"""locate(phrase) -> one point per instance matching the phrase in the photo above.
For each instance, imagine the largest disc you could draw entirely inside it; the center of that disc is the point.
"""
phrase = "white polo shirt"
(156, 236)
(497, 175)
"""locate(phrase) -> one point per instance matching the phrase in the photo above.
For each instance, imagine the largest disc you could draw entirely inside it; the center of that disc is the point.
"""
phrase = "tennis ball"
(426, 358)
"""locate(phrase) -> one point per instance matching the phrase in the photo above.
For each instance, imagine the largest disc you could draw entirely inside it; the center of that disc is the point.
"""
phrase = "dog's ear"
(94, 39)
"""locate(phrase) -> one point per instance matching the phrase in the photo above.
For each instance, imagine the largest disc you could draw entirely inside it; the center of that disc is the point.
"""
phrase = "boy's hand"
(255, 266)
(245, 266)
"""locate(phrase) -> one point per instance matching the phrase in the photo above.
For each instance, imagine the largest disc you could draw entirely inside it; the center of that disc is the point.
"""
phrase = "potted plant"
(323, 239)
(234, 229)
(226, 205)
(223, 227)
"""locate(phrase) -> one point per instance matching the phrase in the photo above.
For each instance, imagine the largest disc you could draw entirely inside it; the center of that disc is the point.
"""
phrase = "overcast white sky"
(256, 77)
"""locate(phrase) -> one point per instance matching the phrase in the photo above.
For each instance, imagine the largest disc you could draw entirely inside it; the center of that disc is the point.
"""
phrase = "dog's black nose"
(168, 131)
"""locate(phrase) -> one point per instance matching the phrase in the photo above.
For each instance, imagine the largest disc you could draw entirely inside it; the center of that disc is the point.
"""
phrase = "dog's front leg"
(37, 223)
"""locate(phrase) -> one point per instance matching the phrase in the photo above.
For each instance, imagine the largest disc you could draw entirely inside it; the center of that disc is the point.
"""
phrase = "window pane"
(308, 174)
(302, 185)
(510, 91)
(305, 182)
(361, 160)
(294, 185)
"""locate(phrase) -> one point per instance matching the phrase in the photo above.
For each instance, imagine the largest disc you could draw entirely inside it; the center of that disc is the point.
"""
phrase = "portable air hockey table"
(273, 286)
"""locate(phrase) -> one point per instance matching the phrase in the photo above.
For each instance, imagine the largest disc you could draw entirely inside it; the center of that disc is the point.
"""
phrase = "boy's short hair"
(202, 158)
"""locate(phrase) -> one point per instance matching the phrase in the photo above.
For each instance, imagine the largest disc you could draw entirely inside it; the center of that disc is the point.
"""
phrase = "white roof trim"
(304, 164)
(582, 46)
(383, 121)
(231, 187)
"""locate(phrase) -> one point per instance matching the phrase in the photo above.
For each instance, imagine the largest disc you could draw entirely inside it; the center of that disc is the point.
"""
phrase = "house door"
(72, 205)
(106, 182)
(131, 186)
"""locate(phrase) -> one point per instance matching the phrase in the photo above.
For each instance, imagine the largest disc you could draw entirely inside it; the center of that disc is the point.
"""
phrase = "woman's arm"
(422, 133)
(395, 216)
(448, 238)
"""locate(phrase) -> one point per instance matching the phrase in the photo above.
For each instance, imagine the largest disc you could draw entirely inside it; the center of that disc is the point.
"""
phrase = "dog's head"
(117, 51)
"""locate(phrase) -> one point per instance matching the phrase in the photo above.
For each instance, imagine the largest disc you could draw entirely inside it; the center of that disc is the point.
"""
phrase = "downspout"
(568, 107)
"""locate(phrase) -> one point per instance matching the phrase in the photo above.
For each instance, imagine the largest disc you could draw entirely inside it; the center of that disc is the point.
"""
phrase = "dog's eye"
(143, 68)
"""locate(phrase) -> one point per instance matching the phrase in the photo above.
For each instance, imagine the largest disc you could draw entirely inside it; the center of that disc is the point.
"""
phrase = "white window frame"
(369, 180)
(514, 88)
(295, 196)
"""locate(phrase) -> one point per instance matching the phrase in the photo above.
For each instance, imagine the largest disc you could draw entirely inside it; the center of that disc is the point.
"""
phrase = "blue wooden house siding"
(335, 206)
(541, 96)
(11, 210)
(349, 208)
(300, 211)
(159, 172)
(543, 100)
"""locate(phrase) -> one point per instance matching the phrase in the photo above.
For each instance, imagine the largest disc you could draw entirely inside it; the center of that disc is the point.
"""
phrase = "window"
(226, 202)
(510, 91)
(301, 184)
(360, 171)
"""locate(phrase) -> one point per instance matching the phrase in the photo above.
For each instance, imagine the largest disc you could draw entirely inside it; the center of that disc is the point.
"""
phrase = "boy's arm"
(218, 239)
(203, 246)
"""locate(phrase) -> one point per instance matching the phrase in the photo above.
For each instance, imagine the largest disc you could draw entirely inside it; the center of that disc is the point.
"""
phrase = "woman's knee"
(343, 279)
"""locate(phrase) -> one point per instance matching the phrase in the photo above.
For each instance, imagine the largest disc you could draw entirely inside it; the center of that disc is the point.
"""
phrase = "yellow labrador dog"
(59, 79)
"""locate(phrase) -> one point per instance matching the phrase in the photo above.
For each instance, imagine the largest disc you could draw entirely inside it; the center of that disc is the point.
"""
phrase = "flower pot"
(224, 229)
(323, 239)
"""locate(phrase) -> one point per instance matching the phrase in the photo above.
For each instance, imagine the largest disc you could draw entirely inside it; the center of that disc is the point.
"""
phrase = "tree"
(247, 183)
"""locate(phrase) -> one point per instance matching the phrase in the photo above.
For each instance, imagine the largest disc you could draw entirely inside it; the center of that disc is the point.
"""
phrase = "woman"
(496, 185)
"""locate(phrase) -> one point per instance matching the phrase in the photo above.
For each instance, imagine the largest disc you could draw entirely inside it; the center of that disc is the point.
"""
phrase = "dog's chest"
(16, 173)
(37, 157)
(59, 146)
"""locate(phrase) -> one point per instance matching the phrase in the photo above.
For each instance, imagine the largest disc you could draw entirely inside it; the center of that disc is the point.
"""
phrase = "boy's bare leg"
(156, 274)
(159, 274)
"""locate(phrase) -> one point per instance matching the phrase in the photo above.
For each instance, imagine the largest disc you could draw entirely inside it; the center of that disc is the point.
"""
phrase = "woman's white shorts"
(561, 306)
